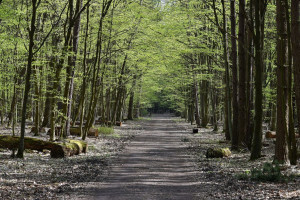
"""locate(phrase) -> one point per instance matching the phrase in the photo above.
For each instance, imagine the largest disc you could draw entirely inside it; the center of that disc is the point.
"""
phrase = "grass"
(142, 118)
(106, 130)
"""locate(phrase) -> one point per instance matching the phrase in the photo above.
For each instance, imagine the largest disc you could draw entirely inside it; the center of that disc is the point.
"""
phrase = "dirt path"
(154, 166)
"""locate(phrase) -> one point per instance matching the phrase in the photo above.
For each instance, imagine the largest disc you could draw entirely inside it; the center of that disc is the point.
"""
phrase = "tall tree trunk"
(242, 74)
(37, 103)
(295, 32)
(291, 130)
(235, 133)
(249, 80)
(227, 76)
(281, 149)
(72, 62)
(258, 43)
(131, 100)
(35, 4)
(195, 97)
(47, 109)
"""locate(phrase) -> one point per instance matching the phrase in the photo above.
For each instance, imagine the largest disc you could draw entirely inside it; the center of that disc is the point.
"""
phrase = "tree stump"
(270, 134)
(118, 123)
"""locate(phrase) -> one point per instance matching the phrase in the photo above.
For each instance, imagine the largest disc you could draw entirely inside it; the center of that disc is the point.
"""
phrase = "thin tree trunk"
(195, 97)
(35, 4)
(131, 100)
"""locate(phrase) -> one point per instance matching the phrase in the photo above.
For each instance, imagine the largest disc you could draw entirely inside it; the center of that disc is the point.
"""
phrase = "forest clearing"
(149, 99)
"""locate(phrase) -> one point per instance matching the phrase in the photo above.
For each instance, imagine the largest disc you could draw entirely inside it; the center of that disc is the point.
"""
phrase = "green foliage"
(268, 173)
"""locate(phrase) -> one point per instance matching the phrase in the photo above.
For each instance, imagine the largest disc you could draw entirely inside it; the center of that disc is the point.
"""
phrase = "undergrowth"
(268, 173)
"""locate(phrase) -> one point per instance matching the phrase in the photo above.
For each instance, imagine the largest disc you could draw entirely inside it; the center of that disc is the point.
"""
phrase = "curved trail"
(154, 166)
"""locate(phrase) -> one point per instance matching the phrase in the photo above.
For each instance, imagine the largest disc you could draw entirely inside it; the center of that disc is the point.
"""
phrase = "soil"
(157, 158)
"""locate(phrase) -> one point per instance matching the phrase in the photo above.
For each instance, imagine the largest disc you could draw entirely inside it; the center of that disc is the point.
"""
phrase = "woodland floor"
(157, 158)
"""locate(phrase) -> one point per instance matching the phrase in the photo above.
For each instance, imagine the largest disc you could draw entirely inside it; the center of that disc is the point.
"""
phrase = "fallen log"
(218, 152)
(64, 150)
(41, 130)
(12, 143)
(93, 132)
(272, 134)
(58, 150)
(83, 146)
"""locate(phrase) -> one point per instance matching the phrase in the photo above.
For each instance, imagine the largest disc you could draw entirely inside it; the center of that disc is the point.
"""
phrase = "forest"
(73, 67)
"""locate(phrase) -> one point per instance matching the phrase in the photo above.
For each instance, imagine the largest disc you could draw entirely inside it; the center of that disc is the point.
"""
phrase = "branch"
(47, 36)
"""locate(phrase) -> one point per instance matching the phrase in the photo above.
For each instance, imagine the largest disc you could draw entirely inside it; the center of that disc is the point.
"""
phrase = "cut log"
(218, 152)
(272, 134)
(83, 146)
(65, 150)
(41, 130)
(58, 150)
(93, 132)
(118, 123)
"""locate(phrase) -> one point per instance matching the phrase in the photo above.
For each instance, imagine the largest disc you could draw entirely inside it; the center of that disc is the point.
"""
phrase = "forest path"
(155, 165)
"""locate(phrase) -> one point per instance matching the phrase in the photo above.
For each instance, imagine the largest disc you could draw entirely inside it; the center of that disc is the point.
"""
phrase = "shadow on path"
(154, 166)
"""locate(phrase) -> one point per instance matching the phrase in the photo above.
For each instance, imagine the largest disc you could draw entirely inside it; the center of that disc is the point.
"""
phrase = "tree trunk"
(292, 147)
(204, 103)
(281, 151)
(258, 43)
(195, 98)
(235, 102)
(295, 32)
(242, 75)
(35, 4)
(227, 76)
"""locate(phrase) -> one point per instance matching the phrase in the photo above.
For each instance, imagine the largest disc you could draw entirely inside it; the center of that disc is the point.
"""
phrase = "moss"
(83, 146)
(218, 152)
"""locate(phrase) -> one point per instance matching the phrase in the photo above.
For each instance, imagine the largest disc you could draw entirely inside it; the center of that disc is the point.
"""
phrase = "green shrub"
(106, 130)
(269, 173)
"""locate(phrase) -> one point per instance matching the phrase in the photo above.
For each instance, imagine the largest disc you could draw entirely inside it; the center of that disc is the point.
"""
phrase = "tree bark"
(235, 102)
(295, 32)
(292, 147)
(258, 43)
(242, 74)
(281, 149)
(35, 4)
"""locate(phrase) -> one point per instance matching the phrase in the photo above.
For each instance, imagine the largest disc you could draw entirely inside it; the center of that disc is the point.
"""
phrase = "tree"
(30, 59)
(242, 102)
(235, 133)
(295, 32)
(259, 8)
